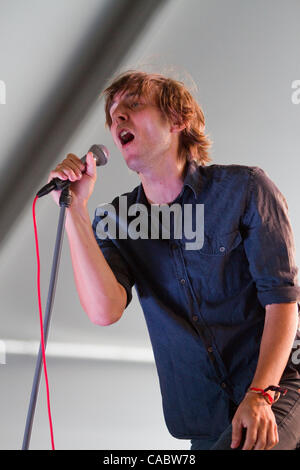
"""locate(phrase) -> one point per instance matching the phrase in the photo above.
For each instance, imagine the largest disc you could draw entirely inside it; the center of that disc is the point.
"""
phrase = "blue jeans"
(287, 414)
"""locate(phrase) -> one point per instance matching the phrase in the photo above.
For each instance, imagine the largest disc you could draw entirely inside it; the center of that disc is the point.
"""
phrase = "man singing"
(222, 317)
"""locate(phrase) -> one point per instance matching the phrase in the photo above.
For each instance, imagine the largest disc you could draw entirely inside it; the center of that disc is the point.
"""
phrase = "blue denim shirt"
(205, 307)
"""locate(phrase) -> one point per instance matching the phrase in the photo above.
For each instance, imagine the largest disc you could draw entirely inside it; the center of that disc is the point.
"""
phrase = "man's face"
(139, 130)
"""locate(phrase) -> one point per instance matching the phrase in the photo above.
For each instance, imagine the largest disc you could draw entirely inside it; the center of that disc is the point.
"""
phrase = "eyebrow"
(126, 96)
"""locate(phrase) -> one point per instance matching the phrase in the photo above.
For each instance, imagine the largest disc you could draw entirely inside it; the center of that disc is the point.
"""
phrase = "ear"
(176, 128)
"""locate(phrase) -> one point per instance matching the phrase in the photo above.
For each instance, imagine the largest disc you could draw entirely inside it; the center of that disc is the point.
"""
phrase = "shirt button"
(182, 281)
(222, 248)
(210, 349)
(223, 385)
(195, 318)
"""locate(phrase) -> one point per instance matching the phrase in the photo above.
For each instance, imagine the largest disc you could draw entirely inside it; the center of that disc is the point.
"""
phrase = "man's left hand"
(256, 415)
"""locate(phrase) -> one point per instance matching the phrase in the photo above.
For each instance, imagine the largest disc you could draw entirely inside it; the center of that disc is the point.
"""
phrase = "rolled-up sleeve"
(115, 260)
(269, 242)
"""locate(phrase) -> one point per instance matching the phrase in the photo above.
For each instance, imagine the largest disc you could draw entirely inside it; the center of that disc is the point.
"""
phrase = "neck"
(163, 183)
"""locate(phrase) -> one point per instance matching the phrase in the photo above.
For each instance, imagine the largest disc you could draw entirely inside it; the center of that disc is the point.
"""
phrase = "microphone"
(100, 154)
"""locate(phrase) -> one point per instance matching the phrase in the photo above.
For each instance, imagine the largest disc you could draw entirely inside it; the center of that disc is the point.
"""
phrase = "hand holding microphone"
(81, 173)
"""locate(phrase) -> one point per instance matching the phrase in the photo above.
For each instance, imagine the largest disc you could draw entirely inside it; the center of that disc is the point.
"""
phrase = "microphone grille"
(101, 154)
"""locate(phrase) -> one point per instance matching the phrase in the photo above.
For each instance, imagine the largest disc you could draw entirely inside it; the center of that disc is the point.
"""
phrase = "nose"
(120, 114)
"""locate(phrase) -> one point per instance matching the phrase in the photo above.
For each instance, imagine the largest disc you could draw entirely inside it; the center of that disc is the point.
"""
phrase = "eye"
(134, 104)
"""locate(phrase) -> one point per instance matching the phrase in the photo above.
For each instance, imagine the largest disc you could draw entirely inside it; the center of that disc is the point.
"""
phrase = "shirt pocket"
(220, 244)
(223, 265)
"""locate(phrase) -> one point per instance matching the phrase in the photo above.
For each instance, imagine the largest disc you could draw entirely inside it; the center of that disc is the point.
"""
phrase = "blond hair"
(174, 101)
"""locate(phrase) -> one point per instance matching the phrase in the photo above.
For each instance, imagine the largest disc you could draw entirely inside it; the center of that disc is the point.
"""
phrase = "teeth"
(123, 133)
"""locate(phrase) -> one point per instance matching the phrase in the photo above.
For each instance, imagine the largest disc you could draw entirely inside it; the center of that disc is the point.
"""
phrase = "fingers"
(262, 437)
(70, 168)
(90, 165)
(251, 437)
(272, 438)
(236, 433)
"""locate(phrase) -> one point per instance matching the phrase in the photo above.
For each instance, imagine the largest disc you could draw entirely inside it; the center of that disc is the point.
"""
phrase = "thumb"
(90, 165)
(236, 434)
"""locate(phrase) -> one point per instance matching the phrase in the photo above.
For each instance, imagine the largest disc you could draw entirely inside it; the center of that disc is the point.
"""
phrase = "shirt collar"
(192, 179)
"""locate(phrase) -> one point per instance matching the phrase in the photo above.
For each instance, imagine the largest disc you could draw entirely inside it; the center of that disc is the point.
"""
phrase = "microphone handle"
(61, 184)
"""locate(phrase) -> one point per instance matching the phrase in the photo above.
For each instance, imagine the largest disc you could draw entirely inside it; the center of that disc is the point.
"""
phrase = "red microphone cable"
(41, 322)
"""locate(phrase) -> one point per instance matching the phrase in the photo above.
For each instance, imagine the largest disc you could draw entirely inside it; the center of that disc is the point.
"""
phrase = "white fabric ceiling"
(243, 57)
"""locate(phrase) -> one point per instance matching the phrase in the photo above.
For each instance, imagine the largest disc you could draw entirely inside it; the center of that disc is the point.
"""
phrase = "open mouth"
(125, 137)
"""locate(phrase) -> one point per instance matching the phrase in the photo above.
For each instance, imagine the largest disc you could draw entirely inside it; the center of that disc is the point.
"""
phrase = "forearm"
(100, 294)
(279, 332)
